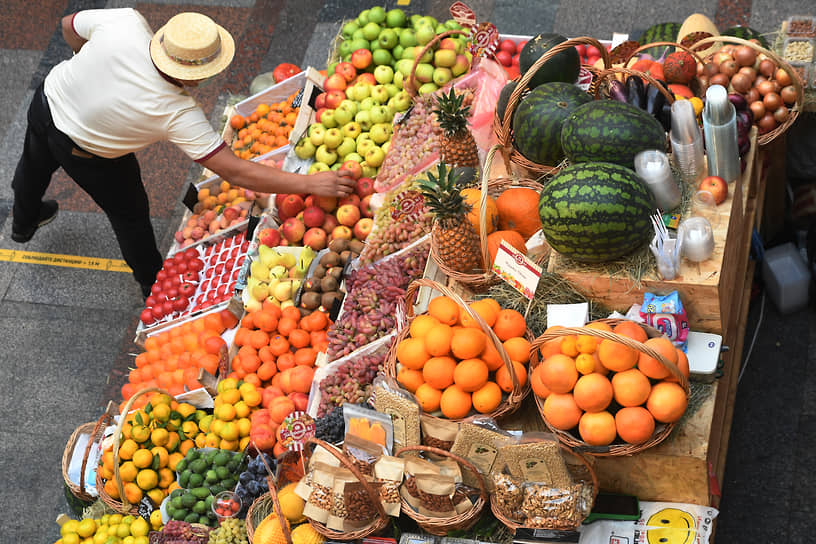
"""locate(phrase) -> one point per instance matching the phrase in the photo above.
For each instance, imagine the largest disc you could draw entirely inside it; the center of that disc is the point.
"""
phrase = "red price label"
(296, 430)
(462, 14)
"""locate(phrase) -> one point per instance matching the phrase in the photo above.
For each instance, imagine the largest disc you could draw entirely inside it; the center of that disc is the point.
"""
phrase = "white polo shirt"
(111, 99)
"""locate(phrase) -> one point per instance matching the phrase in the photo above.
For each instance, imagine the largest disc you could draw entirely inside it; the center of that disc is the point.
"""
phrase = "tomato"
(285, 70)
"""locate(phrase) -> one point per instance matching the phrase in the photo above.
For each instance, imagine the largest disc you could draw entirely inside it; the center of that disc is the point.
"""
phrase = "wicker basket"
(662, 430)
(512, 401)
(379, 523)
(265, 505)
(587, 474)
(122, 505)
(481, 281)
(409, 85)
(503, 126)
(460, 522)
(95, 430)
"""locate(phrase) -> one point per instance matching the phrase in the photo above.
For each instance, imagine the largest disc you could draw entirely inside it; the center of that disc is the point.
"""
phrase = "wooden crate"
(706, 289)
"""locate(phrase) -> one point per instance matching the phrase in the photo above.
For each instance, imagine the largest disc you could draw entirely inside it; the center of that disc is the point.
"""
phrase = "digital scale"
(703, 352)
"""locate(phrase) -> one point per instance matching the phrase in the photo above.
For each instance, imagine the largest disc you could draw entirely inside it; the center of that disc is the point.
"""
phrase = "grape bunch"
(252, 482)
(180, 532)
(394, 230)
(330, 427)
(373, 292)
(231, 531)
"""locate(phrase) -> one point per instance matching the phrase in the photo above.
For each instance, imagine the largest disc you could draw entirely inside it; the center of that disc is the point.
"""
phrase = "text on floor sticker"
(69, 261)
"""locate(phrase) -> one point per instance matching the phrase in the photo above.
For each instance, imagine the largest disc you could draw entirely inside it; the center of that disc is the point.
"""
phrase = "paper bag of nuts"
(337, 515)
(403, 409)
(479, 441)
(436, 495)
(388, 472)
(415, 466)
(438, 433)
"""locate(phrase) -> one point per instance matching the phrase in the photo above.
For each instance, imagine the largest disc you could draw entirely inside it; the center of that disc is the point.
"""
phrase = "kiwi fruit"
(330, 259)
(319, 271)
(345, 256)
(310, 300)
(328, 284)
(327, 299)
(335, 272)
(338, 245)
(311, 285)
(356, 246)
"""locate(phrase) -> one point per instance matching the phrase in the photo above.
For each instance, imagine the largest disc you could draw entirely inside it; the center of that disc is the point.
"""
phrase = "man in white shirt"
(122, 90)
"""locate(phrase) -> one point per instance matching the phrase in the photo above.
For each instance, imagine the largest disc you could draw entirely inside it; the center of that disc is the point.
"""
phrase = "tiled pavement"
(65, 333)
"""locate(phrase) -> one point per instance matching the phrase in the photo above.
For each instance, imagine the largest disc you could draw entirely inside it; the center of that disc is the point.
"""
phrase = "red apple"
(290, 207)
(716, 186)
(320, 101)
(352, 199)
(363, 228)
(353, 167)
(180, 304)
(348, 214)
(269, 237)
(329, 223)
(293, 230)
(187, 289)
(315, 238)
(319, 114)
(313, 216)
(504, 58)
(367, 77)
(365, 187)
(342, 231)
(361, 59)
(326, 203)
(334, 98)
(365, 207)
(334, 82)
(347, 70)
(508, 45)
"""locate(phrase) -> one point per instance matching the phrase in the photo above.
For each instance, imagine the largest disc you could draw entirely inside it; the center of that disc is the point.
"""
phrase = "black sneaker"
(48, 211)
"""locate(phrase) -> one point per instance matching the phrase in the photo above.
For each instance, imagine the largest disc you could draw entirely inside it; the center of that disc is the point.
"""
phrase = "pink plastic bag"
(486, 79)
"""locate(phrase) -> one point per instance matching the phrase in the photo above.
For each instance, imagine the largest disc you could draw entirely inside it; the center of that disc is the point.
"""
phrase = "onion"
(783, 78)
(781, 114)
(772, 101)
(741, 83)
(743, 122)
(748, 71)
(719, 79)
(752, 96)
(758, 109)
(745, 55)
(788, 94)
(767, 67)
(765, 87)
(767, 123)
(744, 144)
(709, 69)
(738, 100)
(729, 67)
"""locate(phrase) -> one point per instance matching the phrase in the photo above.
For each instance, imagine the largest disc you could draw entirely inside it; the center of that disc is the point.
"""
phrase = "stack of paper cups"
(686, 142)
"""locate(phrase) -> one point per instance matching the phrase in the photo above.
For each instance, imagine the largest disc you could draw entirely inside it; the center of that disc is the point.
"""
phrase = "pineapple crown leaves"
(441, 192)
(452, 115)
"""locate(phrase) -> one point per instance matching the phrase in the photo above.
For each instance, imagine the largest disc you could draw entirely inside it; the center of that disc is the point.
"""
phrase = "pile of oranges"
(608, 390)
(265, 129)
(172, 358)
(154, 439)
(451, 365)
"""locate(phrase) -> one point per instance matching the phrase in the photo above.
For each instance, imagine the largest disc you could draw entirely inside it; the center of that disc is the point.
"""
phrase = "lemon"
(128, 540)
(69, 526)
(113, 529)
(227, 384)
(141, 540)
(115, 519)
(86, 527)
(156, 520)
(101, 536)
(139, 527)
(128, 519)
(122, 530)
(70, 538)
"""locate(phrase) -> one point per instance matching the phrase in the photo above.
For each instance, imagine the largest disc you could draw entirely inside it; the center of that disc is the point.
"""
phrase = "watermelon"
(596, 211)
(610, 131)
(661, 32)
(564, 66)
(746, 33)
(538, 118)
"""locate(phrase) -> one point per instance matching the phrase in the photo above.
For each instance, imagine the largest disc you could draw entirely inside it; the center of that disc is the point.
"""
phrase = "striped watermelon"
(661, 32)
(746, 33)
(538, 118)
(610, 131)
(596, 211)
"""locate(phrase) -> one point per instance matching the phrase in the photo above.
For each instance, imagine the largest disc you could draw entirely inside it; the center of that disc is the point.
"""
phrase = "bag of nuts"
(449, 467)
(320, 456)
(403, 409)
(508, 495)
(337, 515)
(436, 495)
(536, 457)
(319, 504)
(547, 507)
(388, 473)
(360, 508)
(415, 466)
(362, 453)
(438, 433)
(463, 497)
(479, 441)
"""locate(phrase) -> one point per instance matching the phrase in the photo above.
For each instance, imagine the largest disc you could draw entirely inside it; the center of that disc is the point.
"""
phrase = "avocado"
(222, 472)
(188, 500)
(199, 466)
(192, 517)
(200, 492)
(195, 480)
(221, 459)
(211, 477)
(181, 465)
(177, 501)
(184, 479)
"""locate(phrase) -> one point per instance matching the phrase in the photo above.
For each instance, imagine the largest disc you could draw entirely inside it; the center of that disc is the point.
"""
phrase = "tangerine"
(558, 373)
(560, 411)
(438, 372)
(597, 428)
(468, 343)
(455, 403)
(569, 345)
(651, 366)
(428, 398)
(631, 387)
(593, 392)
(635, 424)
(667, 402)
(585, 363)
(470, 375)
(299, 338)
(509, 323)
(444, 309)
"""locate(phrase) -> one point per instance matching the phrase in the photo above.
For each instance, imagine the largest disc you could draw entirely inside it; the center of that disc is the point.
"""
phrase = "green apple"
(363, 146)
(363, 119)
(366, 104)
(424, 34)
(378, 114)
(462, 65)
(444, 58)
(424, 72)
(395, 18)
(360, 91)
(415, 18)
(440, 28)
(377, 14)
(358, 43)
(344, 48)
(350, 105)
(380, 133)
(408, 38)
(327, 119)
(374, 45)
(352, 129)
(426, 57)
(362, 19)
(333, 138)
(325, 155)
(441, 76)
(318, 167)
(387, 38)
(382, 56)
(380, 94)
(403, 67)
(452, 25)
(385, 74)
(344, 115)
(368, 170)
(392, 90)
(401, 101)
(305, 149)
(397, 52)
(374, 157)
(348, 145)
(358, 35)
(354, 156)
(336, 166)
(349, 28)
(408, 54)
(398, 80)
(426, 88)
(316, 134)
(428, 20)
(371, 30)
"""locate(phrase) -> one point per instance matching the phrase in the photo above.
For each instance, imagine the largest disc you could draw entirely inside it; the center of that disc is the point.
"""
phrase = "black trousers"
(114, 184)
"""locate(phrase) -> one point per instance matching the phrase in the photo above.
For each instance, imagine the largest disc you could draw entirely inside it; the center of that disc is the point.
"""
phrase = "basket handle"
(116, 440)
(488, 163)
(372, 493)
(425, 282)
(409, 85)
(95, 436)
(648, 77)
(515, 96)
(273, 494)
(690, 50)
(461, 460)
(552, 334)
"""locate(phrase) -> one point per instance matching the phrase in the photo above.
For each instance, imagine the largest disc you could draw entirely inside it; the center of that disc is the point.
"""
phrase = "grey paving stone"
(525, 18)
(317, 53)
(11, 144)
(767, 15)
(16, 67)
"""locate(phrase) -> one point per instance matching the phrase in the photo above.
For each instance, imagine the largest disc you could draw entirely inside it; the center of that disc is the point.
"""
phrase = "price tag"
(484, 40)
(462, 14)
(296, 429)
(517, 269)
(146, 507)
(407, 205)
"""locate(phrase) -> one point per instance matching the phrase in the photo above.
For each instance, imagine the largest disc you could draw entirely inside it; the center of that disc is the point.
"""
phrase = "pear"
(260, 291)
(279, 272)
(283, 291)
(272, 300)
(287, 303)
(253, 305)
(258, 271)
(288, 260)
(269, 256)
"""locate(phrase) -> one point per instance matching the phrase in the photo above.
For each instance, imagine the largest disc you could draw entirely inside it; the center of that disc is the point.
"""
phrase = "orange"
(558, 373)
(667, 402)
(286, 325)
(597, 428)
(142, 458)
(411, 353)
(455, 403)
(305, 356)
(438, 372)
(635, 424)
(682, 365)
(630, 329)
(518, 349)
(266, 321)
(631, 387)
(470, 374)
(111, 489)
(651, 366)
(585, 363)
(615, 356)
(487, 399)
(147, 479)
(237, 122)
(491, 357)
(538, 386)
(467, 343)
(258, 339)
(437, 340)
(569, 345)
(506, 382)
(553, 346)
(444, 309)
(410, 379)
(484, 308)
(561, 411)
(421, 325)
(428, 397)
(509, 323)
(593, 392)
(133, 493)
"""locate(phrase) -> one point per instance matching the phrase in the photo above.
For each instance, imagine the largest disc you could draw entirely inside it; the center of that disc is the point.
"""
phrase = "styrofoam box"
(786, 278)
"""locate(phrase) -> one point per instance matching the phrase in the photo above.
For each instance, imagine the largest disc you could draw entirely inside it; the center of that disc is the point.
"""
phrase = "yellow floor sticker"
(69, 261)
(403, 2)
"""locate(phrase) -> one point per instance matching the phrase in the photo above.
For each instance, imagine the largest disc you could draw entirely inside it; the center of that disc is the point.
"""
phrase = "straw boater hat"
(191, 46)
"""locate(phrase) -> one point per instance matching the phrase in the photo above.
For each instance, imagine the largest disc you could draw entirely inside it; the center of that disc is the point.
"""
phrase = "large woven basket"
(378, 524)
(503, 127)
(122, 505)
(584, 472)
(265, 505)
(95, 430)
(662, 430)
(511, 401)
(480, 281)
(461, 522)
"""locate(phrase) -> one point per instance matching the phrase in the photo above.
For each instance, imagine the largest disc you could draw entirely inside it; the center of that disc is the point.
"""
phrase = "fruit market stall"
(437, 351)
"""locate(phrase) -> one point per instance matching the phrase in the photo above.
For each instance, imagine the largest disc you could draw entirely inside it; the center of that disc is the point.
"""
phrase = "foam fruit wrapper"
(666, 314)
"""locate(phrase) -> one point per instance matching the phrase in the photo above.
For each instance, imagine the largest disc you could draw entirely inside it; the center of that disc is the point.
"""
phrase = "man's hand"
(339, 183)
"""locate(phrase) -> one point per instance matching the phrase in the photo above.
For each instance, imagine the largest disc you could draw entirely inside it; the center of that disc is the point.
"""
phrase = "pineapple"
(457, 242)
(458, 148)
